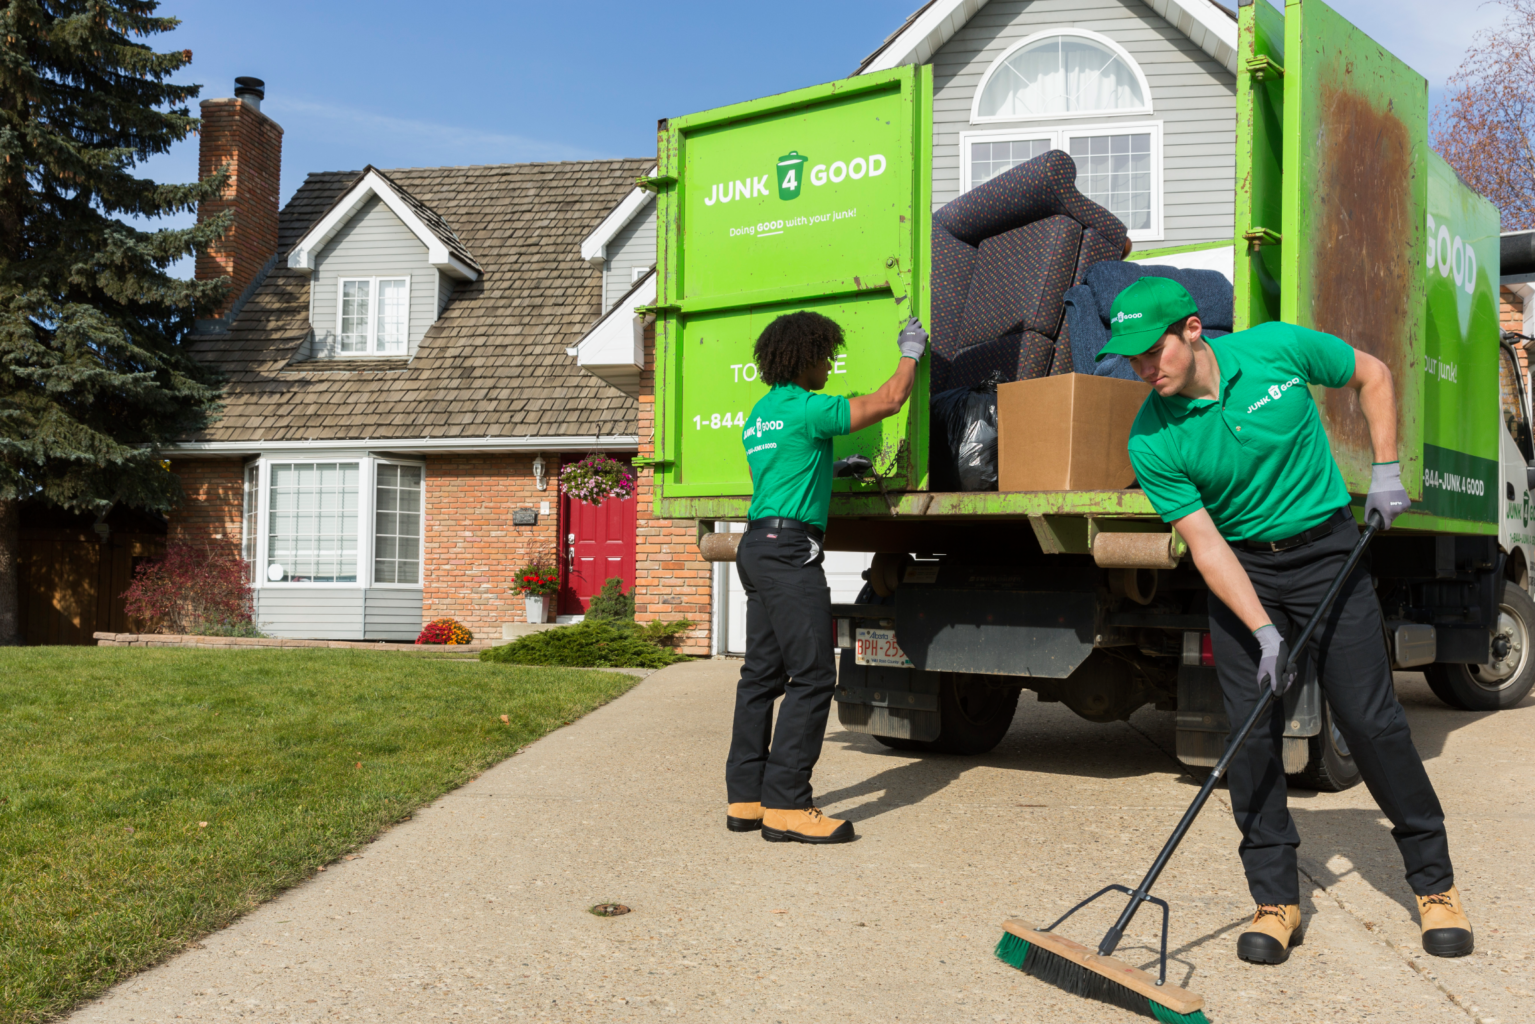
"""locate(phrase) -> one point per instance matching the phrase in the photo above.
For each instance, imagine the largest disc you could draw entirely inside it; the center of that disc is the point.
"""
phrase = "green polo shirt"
(788, 447)
(1257, 458)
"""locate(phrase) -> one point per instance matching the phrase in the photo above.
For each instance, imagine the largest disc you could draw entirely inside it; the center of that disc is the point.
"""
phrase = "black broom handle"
(1111, 940)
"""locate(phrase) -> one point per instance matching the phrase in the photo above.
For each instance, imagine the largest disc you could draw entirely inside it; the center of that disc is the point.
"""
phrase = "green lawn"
(111, 760)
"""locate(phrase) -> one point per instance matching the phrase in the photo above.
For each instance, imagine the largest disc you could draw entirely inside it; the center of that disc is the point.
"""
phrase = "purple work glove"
(912, 340)
(1387, 495)
(1275, 653)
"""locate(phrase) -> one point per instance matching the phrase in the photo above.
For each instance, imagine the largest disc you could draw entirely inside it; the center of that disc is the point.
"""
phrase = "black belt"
(776, 523)
(1327, 526)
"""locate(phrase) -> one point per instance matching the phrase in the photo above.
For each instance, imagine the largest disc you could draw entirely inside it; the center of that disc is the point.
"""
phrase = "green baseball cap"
(1142, 313)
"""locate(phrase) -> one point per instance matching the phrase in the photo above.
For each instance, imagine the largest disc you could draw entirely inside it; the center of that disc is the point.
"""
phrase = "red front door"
(599, 543)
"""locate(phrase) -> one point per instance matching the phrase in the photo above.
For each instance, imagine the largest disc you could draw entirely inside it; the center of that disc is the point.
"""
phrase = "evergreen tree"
(94, 373)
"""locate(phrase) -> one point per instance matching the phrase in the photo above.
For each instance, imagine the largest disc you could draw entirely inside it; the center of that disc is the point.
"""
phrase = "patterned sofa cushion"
(1022, 355)
(1018, 280)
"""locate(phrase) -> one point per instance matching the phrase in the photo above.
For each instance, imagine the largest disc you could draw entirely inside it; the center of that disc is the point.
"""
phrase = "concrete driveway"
(477, 908)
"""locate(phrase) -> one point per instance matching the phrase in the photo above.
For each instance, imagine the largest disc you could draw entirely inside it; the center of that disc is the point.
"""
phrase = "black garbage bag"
(963, 440)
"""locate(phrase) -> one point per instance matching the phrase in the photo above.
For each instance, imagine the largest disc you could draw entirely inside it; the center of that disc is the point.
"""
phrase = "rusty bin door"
(1355, 201)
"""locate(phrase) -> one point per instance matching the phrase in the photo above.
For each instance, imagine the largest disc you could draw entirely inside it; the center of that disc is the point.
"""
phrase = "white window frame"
(1060, 138)
(1123, 54)
(367, 508)
(372, 523)
(373, 305)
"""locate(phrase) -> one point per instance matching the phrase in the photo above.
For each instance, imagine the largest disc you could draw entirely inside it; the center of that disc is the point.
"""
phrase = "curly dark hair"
(793, 343)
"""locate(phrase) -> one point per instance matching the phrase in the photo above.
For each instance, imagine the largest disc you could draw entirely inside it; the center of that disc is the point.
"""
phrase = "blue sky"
(401, 84)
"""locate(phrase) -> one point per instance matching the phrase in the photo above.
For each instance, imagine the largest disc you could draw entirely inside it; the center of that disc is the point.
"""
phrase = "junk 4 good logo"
(1525, 509)
(791, 174)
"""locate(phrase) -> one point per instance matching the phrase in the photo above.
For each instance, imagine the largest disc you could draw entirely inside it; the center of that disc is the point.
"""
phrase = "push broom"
(1074, 968)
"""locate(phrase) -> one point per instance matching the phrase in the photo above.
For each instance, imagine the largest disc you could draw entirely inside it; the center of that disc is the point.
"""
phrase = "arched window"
(1062, 73)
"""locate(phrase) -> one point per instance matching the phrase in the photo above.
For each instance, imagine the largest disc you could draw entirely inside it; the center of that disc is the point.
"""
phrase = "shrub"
(538, 579)
(597, 478)
(612, 603)
(445, 631)
(193, 590)
(596, 643)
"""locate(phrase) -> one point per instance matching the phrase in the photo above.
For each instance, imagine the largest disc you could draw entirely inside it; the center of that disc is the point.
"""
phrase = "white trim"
(925, 36)
(594, 247)
(1058, 136)
(413, 445)
(306, 251)
(1119, 51)
(373, 307)
(1205, 24)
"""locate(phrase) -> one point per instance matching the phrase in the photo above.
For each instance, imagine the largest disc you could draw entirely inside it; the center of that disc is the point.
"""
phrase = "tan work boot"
(1446, 929)
(1275, 928)
(804, 826)
(744, 817)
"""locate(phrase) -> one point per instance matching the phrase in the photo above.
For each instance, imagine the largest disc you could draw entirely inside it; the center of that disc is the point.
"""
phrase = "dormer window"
(1065, 73)
(373, 315)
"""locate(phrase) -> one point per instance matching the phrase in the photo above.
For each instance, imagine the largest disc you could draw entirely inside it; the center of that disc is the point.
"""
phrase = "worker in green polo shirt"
(1230, 449)
(789, 647)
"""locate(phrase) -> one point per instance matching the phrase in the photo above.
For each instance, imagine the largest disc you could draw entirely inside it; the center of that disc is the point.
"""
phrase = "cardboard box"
(1066, 433)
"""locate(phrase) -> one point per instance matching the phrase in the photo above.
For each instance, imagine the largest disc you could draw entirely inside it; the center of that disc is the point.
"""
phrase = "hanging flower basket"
(597, 478)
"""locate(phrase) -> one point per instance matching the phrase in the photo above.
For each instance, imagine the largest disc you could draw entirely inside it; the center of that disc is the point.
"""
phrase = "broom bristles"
(1077, 980)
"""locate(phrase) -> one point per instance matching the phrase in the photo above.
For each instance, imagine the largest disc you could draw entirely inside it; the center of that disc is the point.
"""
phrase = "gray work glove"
(1387, 495)
(912, 340)
(1275, 652)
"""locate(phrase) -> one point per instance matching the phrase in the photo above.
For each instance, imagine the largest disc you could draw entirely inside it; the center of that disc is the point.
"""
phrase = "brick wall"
(472, 549)
(211, 505)
(671, 580)
(251, 144)
(1511, 318)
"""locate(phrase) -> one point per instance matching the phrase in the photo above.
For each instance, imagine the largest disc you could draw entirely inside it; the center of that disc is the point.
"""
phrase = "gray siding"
(444, 292)
(374, 243)
(1192, 95)
(339, 613)
(392, 614)
(319, 614)
(634, 246)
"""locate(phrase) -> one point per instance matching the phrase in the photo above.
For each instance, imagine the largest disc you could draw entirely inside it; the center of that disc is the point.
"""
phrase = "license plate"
(878, 647)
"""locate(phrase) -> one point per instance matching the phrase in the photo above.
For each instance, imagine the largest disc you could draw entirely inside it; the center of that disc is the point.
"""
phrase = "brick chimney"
(236, 132)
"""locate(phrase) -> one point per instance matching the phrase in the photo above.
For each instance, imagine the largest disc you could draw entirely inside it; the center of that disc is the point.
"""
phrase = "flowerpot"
(534, 607)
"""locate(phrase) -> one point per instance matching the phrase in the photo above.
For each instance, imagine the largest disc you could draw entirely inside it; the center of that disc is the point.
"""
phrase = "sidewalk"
(476, 909)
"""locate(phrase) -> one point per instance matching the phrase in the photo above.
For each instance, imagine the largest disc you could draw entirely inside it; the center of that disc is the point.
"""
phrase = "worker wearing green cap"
(1230, 449)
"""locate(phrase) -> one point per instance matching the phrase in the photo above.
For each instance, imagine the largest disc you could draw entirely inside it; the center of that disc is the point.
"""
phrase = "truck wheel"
(1504, 681)
(1330, 767)
(976, 715)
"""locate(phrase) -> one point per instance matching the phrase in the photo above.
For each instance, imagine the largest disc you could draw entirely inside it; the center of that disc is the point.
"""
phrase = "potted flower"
(597, 478)
(537, 583)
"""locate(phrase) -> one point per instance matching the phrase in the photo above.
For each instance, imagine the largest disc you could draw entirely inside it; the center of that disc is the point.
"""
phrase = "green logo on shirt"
(1276, 391)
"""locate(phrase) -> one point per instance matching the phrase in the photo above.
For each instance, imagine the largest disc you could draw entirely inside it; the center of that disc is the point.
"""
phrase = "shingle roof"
(494, 365)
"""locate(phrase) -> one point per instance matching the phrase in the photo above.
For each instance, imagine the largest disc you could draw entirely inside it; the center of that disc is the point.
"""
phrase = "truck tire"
(1504, 681)
(1330, 768)
(975, 713)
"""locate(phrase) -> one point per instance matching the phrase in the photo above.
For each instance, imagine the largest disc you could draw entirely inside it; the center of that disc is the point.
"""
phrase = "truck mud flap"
(1203, 727)
(897, 702)
(996, 632)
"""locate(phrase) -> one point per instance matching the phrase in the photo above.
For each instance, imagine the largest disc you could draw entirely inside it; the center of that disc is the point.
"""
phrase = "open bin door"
(1351, 250)
(810, 200)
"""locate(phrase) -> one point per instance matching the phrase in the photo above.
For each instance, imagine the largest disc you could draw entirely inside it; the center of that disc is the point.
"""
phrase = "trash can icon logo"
(791, 171)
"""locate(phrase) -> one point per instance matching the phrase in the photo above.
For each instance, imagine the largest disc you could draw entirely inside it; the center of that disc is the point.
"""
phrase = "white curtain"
(1061, 75)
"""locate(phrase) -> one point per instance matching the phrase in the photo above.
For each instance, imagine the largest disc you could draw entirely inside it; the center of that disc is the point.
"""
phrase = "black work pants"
(789, 654)
(1355, 674)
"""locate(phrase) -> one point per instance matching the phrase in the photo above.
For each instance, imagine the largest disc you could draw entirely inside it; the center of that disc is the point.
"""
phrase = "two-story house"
(1141, 94)
(399, 401)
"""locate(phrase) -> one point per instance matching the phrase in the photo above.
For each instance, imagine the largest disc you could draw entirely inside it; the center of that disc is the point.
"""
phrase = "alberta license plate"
(878, 647)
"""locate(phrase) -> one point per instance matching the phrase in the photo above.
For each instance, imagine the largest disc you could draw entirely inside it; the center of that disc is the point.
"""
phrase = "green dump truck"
(1345, 221)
